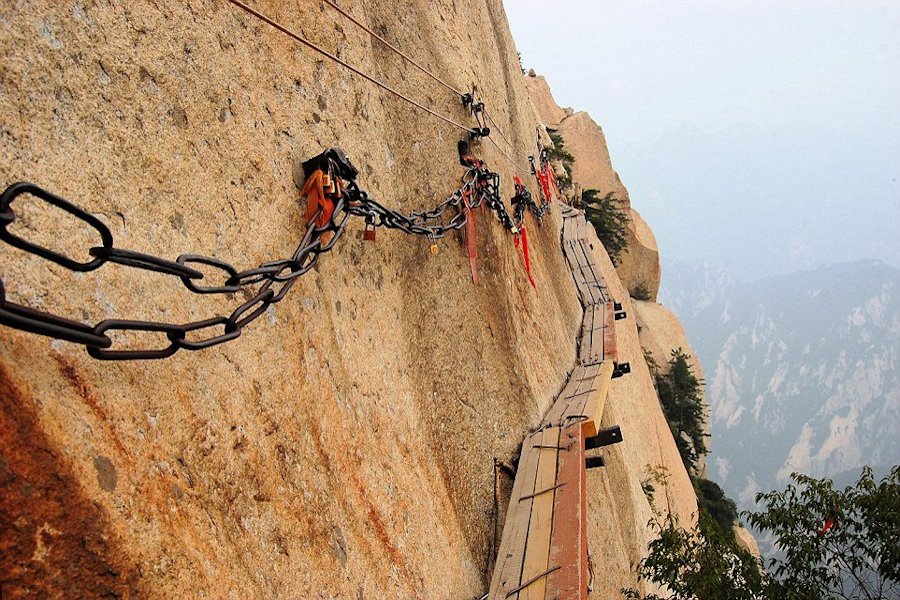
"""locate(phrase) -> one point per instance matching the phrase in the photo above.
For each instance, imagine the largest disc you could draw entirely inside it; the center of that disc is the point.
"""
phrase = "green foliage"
(656, 476)
(652, 365)
(680, 393)
(558, 152)
(610, 221)
(640, 292)
(695, 564)
(720, 509)
(857, 557)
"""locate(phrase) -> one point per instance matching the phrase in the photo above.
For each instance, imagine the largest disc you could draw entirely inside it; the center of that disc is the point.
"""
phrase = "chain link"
(270, 281)
(274, 279)
(522, 201)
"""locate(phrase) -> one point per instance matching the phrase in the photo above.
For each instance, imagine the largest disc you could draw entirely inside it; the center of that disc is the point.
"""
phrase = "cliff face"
(592, 169)
(343, 446)
(660, 334)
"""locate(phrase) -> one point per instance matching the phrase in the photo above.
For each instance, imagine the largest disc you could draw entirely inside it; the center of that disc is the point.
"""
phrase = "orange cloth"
(316, 198)
(471, 243)
(523, 239)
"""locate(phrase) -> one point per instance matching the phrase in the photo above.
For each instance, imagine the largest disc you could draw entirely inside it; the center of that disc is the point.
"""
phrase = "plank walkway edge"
(543, 548)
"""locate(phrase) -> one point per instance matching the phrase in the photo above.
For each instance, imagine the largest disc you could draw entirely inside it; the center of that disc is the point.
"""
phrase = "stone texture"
(548, 110)
(592, 168)
(639, 265)
(661, 333)
(746, 540)
(343, 446)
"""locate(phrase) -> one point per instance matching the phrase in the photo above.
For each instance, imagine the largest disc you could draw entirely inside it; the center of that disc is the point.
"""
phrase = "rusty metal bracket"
(544, 491)
(532, 580)
(605, 437)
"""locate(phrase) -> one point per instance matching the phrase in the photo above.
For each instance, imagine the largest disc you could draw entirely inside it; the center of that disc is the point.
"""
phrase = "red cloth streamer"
(471, 244)
(523, 236)
(316, 198)
(544, 185)
(554, 184)
(829, 523)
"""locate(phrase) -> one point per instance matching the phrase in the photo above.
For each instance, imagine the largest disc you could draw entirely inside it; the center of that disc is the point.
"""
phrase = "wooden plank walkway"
(543, 550)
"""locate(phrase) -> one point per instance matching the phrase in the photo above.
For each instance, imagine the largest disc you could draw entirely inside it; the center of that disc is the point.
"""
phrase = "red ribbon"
(471, 244)
(523, 236)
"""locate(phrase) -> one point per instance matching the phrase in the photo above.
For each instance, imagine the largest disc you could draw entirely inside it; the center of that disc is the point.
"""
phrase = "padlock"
(369, 232)
(329, 185)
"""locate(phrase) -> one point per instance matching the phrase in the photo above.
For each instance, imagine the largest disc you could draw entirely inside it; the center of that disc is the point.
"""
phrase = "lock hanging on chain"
(369, 232)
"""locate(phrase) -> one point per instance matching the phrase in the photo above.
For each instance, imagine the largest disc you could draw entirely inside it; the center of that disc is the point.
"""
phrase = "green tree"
(693, 565)
(699, 563)
(720, 508)
(680, 393)
(834, 543)
(610, 221)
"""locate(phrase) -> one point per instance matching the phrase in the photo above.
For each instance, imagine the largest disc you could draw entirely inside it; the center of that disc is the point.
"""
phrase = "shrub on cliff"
(558, 152)
(610, 221)
(680, 393)
(720, 508)
(699, 563)
(835, 543)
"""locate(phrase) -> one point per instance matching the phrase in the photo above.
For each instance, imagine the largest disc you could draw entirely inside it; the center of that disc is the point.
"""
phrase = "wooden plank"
(546, 525)
(558, 410)
(508, 568)
(591, 272)
(571, 255)
(572, 399)
(596, 400)
(568, 541)
(609, 334)
(582, 269)
(537, 549)
(570, 229)
(583, 389)
(590, 349)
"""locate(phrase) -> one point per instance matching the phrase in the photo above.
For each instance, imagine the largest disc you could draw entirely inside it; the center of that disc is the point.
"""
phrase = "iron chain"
(270, 281)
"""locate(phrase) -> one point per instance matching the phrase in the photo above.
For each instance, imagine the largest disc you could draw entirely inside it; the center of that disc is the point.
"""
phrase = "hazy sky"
(735, 122)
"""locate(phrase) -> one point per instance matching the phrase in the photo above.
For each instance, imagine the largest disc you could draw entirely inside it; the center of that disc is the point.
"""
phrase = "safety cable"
(394, 48)
(417, 65)
(495, 127)
(506, 156)
(345, 64)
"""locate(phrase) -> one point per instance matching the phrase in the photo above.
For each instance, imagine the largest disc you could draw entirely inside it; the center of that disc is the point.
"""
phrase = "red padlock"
(369, 232)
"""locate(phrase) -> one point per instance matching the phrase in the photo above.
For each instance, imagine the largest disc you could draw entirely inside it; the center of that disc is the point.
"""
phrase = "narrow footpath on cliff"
(291, 426)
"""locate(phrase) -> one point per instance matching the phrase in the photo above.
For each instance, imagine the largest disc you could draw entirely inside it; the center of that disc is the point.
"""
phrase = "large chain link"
(274, 279)
(269, 281)
(522, 201)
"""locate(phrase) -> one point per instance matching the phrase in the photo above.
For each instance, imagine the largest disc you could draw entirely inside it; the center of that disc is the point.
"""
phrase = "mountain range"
(801, 370)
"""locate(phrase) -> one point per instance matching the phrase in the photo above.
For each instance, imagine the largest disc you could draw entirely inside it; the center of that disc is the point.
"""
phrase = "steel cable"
(345, 64)
(393, 47)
